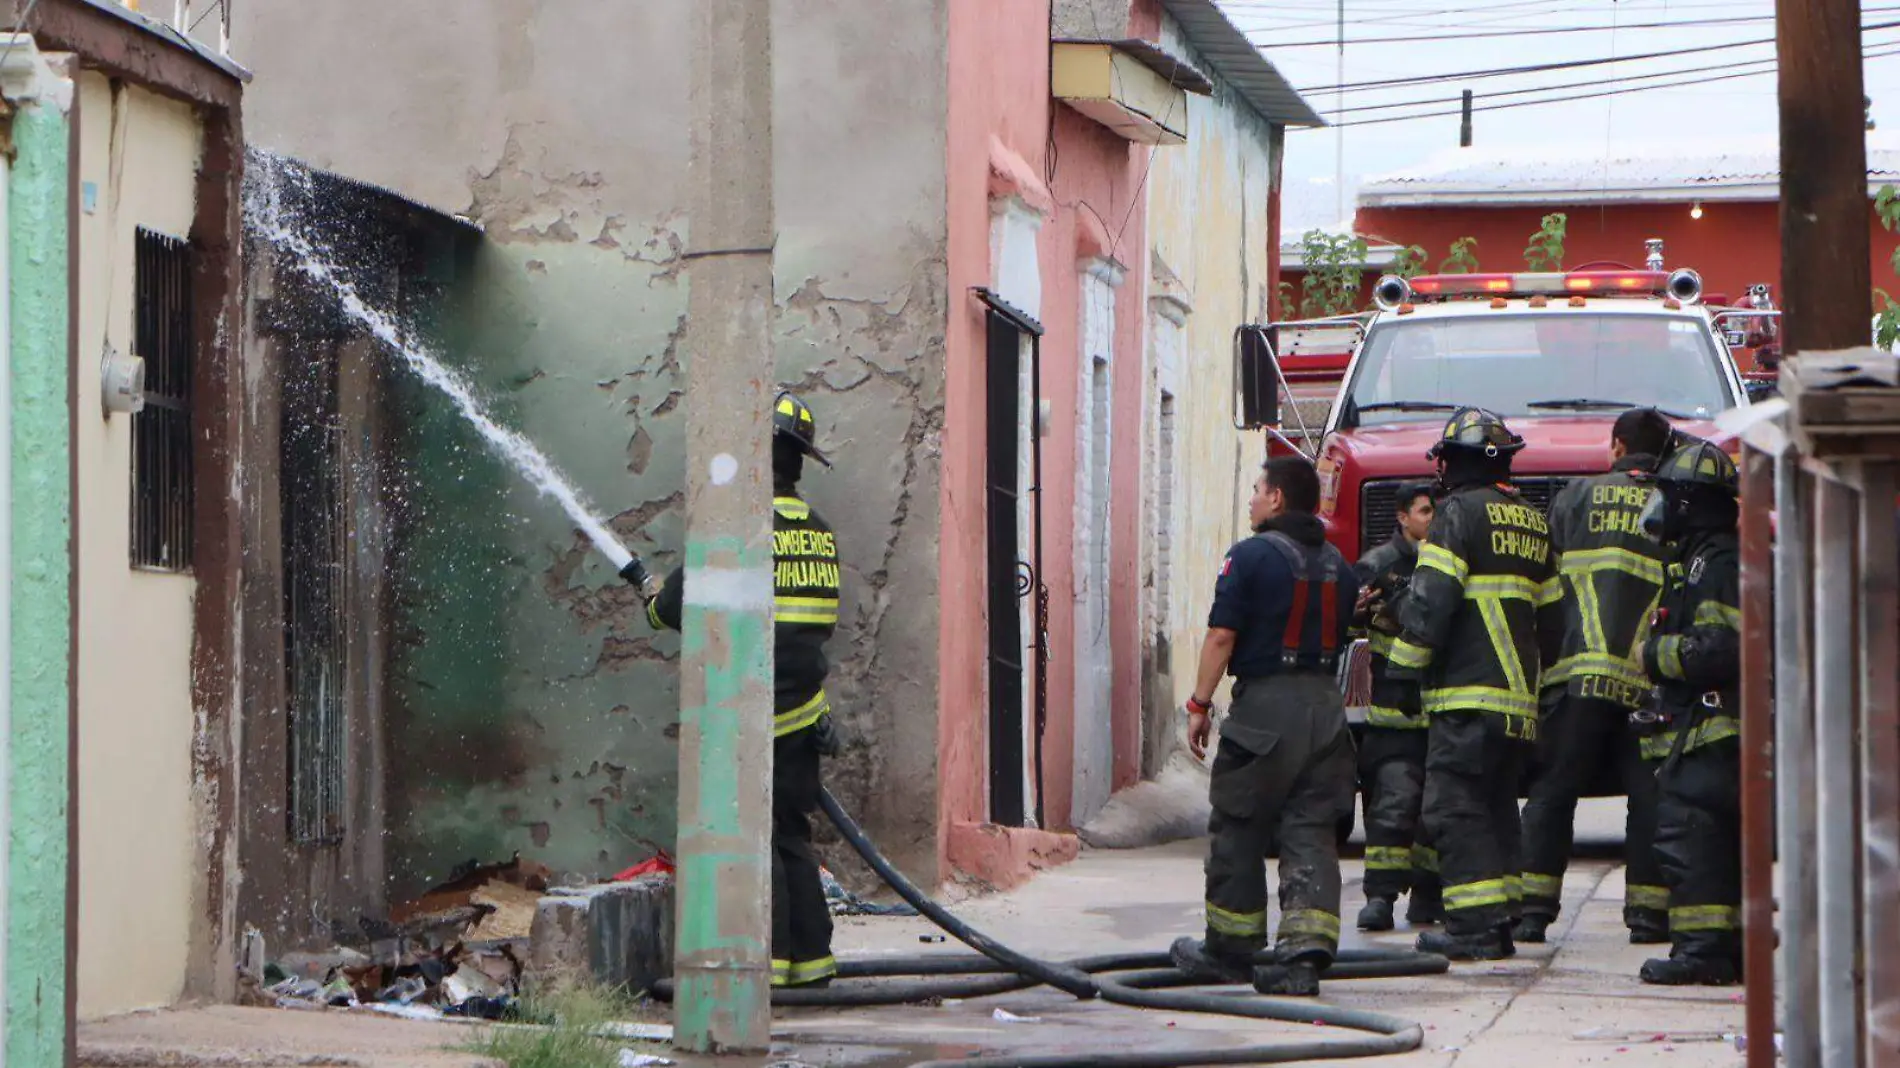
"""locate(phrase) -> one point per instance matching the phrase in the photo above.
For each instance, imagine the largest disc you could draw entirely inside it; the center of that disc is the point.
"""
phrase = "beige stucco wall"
(139, 872)
(1208, 232)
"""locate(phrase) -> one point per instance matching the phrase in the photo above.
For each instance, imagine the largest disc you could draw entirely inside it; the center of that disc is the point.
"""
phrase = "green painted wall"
(39, 189)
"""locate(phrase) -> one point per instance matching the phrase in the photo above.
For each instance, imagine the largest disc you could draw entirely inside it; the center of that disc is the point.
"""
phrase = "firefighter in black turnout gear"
(805, 558)
(1692, 735)
(1282, 607)
(1595, 619)
(1470, 636)
(1392, 749)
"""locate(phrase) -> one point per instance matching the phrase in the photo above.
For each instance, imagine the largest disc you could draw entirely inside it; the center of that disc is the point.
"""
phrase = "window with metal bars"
(162, 492)
(315, 539)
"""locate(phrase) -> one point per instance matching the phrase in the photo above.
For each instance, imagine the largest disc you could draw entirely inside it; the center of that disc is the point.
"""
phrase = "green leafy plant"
(1546, 250)
(1409, 262)
(1887, 313)
(1463, 258)
(1335, 265)
(1286, 299)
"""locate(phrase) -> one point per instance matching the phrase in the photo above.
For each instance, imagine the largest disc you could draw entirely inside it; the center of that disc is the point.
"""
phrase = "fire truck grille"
(1378, 504)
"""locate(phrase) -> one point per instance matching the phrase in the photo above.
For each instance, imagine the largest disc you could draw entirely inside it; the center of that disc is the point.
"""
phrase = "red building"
(1715, 211)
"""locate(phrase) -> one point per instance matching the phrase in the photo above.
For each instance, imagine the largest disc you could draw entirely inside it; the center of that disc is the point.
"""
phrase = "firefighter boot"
(1376, 915)
(1452, 947)
(1690, 971)
(1648, 934)
(1298, 978)
(1204, 965)
(1427, 907)
(1531, 929)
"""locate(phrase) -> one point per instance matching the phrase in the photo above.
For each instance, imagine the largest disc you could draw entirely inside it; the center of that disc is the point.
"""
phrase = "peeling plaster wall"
(136, 720)
(533, 711)
(1208, 221)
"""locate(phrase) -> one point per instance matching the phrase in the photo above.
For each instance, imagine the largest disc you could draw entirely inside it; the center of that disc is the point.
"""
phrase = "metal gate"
(1012, 578)
(314, 543)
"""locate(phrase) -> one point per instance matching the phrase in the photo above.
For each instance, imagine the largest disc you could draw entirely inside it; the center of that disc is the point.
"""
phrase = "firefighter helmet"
(793, 420)
(1698, 463)
(1478, 431)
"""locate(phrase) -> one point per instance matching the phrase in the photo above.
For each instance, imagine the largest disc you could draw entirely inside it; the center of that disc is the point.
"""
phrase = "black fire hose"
(1138, 979)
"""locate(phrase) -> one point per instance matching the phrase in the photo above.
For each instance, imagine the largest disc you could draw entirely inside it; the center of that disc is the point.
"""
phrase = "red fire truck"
(1559, 355)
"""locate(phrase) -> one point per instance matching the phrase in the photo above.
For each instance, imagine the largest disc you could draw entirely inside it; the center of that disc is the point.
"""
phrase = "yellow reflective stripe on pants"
(1388, 858)
(1425, 858)
(1514, 888)
(820, 610)
(1717, 614)
(1406, 655)
(1639, 896)
(1480, 699)
(1311, 923)
(806, 971)
(1705, 918)
(801, 717)
(1537, 884)
(781, 972)
(1379, 643)
(1394, 719)
(1236, 924)
(1584, 561)
(1477, 895)
(1439, 558)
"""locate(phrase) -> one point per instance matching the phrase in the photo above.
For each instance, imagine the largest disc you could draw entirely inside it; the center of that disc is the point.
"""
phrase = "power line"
(1569, 64)
(1893, 50)
(1562, 85)
(1333, 42)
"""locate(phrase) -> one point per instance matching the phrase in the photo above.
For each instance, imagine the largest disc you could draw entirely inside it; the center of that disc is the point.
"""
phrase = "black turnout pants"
(1399, 856)
(801, 918)
(1577, 737)
(1699, 842)
(1472, 766)
(1288, 794)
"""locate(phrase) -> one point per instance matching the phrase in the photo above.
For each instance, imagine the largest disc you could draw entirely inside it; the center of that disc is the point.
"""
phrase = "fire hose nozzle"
(636, 575)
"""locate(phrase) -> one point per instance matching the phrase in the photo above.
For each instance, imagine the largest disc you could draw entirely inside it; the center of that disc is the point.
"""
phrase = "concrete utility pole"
(1825, 283)
(723, 970)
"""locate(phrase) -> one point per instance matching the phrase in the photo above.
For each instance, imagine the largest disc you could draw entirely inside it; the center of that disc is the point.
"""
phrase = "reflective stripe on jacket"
(1595, 613)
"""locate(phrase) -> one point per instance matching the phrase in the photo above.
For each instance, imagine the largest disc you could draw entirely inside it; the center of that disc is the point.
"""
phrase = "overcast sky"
(1741, 108)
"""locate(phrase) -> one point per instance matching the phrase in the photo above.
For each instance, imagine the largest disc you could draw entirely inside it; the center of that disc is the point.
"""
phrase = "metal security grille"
(161, 434)
(314, 540)
(1378, 504)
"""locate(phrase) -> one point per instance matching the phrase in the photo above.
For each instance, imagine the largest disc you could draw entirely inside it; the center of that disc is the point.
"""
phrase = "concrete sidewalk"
(1571, 1003)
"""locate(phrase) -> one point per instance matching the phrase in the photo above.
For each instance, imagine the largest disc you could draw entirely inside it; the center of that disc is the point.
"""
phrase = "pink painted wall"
(1096, 177)
(999, 91)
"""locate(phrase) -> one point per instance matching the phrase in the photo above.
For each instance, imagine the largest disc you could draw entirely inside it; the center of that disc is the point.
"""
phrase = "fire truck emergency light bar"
(1684, 285)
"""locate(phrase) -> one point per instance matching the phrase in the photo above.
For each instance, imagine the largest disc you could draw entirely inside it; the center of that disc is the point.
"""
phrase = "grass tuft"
(565, 1036)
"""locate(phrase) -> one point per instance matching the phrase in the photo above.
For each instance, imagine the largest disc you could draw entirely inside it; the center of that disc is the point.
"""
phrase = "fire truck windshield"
(1515, 364)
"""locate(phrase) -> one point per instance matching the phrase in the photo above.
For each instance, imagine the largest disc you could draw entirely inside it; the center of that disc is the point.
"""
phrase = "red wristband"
(1199, 705)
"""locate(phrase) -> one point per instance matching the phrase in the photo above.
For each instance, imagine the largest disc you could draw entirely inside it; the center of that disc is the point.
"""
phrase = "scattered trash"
(845, 903)
(658, 864)
(930, 939)
(408, 1012)
(630, 1059)
(462, 884)
(1740, 1041)
(1006, 1016)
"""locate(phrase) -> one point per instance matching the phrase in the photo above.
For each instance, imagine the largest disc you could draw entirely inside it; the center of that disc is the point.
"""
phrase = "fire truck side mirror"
(1256, 376)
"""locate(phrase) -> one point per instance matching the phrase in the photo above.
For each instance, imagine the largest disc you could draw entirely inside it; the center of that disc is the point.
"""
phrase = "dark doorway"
(1017, 661)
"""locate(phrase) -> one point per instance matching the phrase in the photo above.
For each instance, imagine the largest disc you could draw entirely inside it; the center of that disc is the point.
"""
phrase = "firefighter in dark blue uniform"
(1392, 750)
(805, 612)
(1692, 730)
(1282, 607)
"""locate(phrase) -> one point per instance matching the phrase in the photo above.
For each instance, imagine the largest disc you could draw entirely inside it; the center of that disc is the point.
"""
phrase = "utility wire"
(1332, 42)
(1894, 50)
(1569, 64)
(1562, 85)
